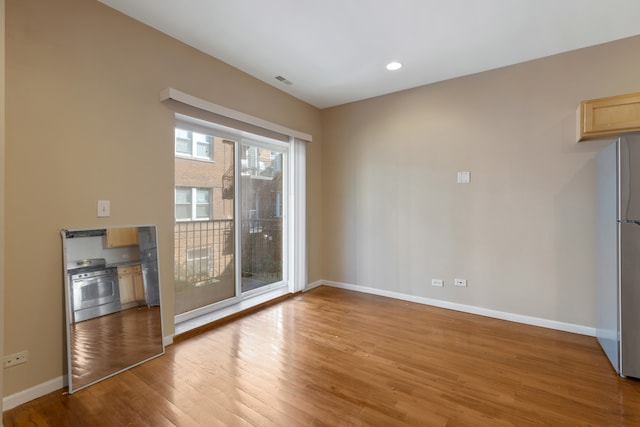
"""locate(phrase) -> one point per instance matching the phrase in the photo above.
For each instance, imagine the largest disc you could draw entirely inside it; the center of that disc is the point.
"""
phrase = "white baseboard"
(168, 340)
(34, 392)
(512, 317)
(313, 285)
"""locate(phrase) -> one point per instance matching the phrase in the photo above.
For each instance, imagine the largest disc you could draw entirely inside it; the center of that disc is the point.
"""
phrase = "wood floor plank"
(332, 357)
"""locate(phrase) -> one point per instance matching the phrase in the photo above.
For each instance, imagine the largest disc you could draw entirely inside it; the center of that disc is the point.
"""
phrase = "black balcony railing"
(262, 249)
(204, 251)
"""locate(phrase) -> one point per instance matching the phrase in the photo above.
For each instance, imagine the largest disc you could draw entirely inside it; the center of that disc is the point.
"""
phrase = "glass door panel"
(262, 207)
(204, 247)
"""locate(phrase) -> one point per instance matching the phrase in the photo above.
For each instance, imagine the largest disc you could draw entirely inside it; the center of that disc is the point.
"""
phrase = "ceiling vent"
(284, 80)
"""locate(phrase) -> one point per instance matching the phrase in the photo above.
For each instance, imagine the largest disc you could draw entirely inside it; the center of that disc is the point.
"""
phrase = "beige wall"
(84, 122)
(521, 233)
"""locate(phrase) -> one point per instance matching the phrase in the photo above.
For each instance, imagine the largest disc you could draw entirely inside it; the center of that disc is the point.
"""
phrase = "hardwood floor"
(107, 344)
(333, 357)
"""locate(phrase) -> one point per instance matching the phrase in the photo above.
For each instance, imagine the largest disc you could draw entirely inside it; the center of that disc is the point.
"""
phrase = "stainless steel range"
(94, 288)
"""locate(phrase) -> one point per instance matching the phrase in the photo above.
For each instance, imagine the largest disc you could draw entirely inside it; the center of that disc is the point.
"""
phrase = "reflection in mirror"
(112, 290)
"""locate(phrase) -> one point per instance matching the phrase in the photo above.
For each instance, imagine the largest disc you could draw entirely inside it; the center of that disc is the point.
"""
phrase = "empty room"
(329, 213)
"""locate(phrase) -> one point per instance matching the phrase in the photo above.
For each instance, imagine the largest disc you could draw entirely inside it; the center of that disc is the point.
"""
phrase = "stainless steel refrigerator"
(618, 253)
(149, 260)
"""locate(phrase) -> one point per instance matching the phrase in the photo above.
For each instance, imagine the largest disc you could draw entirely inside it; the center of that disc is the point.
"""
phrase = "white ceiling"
(335, 51)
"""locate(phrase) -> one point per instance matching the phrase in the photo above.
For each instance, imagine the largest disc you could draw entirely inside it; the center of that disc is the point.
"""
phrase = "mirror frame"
(69, 304)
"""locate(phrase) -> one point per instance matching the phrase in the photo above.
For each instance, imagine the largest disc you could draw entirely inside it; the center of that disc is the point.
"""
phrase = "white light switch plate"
(104, 208)
(464, 177)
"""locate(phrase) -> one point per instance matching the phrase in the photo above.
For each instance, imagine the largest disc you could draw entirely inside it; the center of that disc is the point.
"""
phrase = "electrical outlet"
(15, 359)
(437, 282)
(460, 282)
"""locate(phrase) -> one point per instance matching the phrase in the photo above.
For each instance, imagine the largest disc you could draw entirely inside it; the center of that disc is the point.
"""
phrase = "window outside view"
(262, 207)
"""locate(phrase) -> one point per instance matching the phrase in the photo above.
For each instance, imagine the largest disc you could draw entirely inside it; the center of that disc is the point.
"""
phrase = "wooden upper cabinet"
(608, 117)
(117, 237)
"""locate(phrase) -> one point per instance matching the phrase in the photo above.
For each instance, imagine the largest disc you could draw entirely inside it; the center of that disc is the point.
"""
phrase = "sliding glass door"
(230, 221)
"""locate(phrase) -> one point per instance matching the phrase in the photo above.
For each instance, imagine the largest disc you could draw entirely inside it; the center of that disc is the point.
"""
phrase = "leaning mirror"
(112, 290)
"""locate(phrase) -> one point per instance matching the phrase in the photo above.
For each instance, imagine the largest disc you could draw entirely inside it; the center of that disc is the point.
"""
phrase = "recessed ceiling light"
(392, 66)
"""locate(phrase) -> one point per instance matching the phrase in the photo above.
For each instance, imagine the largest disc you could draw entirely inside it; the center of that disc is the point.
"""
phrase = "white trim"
(176, 95)
(225, 132)
(34, 392)
(237, 239)
(315, 285)
(298, 214)
(503, 315)
(239, 306)
(167, 340)
(263, 142)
